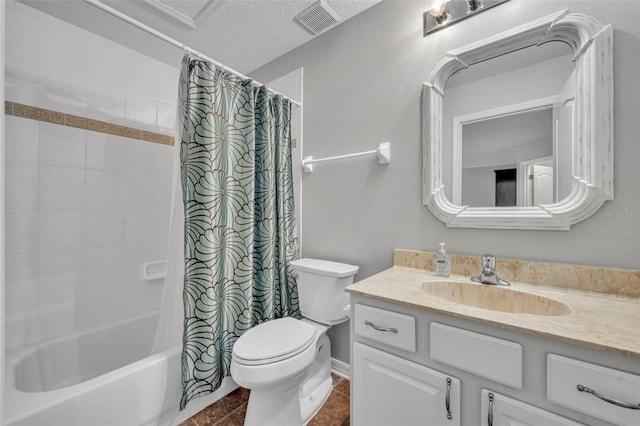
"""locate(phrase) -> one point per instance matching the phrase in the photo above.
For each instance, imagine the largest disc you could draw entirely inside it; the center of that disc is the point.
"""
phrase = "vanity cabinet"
(389, 390)
(404, 381)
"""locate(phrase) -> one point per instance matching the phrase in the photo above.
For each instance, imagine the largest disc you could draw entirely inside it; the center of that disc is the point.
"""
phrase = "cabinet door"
(499, 410)
(391, 391)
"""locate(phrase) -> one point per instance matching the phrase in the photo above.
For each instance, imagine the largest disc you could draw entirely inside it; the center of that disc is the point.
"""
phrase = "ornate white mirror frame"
(592, 144)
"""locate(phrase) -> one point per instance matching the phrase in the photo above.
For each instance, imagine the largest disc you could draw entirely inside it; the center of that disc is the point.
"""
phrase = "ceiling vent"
(317, 18)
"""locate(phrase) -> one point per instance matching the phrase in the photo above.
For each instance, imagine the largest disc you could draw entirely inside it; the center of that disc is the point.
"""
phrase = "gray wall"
(362, 85)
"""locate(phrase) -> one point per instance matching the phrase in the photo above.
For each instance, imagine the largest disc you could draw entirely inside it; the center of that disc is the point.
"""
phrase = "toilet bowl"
(286, 362)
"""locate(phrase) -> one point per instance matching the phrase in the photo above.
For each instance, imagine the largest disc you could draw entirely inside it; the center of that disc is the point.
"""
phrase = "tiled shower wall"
(84, 209)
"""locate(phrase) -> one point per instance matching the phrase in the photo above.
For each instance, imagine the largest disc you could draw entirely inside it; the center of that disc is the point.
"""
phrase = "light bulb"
(439, 13)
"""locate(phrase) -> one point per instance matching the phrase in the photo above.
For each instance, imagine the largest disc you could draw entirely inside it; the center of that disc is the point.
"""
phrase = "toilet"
(286, 362)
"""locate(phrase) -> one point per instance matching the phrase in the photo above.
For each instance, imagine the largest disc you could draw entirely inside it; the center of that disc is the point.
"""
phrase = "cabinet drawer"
(508, 411)
(485, 356)
(565, 374)
(386, 327)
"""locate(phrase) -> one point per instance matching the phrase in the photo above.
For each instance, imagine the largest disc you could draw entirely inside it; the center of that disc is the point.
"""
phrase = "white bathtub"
(104, 376)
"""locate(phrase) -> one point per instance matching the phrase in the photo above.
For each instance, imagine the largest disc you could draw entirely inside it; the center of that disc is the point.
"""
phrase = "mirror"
(514, 125)
(505, 118)
(500, 157)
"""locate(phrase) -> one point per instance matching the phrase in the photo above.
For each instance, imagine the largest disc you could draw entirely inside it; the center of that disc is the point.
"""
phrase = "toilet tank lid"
(324, 267)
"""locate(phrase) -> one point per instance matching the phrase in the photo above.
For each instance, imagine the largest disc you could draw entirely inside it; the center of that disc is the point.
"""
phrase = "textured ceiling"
(242, 34)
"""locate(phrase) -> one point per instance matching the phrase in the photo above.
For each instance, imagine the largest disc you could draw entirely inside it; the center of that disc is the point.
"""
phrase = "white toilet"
(287, 362)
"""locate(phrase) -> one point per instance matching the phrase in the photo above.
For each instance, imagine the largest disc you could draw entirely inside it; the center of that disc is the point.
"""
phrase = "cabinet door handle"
(447, 399)
(610, 400)
(376, 327)
(490, 411)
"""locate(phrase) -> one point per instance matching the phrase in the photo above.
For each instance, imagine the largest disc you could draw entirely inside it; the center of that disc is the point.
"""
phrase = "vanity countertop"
(601, 321)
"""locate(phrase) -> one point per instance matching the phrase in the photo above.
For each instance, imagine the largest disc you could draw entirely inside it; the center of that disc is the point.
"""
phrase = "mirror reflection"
(510, 123)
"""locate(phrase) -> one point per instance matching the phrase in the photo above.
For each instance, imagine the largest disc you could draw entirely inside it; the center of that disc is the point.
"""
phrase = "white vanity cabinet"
(389, 390)
(407, 362)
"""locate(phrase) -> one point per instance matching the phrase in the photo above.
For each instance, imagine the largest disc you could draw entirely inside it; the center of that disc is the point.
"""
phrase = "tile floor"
(230, 410)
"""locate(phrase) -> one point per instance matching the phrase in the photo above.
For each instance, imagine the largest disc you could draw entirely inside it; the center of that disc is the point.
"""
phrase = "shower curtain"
(239, 224)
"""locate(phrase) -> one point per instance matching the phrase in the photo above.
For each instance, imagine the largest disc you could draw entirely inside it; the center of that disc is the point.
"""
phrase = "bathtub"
(103, 376)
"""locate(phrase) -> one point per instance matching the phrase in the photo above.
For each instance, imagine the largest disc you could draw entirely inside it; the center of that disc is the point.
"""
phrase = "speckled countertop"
(601, 321)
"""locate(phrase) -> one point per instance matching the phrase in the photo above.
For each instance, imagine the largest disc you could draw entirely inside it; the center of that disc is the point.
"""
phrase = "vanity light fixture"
(446, 13)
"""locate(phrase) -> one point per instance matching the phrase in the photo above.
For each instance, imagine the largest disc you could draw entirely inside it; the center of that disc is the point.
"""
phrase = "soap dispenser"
(441, 262)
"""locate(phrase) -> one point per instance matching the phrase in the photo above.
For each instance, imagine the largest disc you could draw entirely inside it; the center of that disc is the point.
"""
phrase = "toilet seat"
(273, 341)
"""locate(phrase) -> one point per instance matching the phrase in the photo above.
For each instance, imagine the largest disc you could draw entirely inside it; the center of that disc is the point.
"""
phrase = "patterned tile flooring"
(230, 410)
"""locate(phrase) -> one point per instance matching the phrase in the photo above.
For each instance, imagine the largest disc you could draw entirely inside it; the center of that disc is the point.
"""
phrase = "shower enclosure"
(89, 153)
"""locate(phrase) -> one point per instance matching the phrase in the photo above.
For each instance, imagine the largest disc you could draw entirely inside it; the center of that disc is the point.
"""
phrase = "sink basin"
(503, 299)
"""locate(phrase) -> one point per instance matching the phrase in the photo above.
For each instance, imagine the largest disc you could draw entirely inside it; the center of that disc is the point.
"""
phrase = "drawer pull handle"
(490, 411)
(622, 404)
(447, 400)
(376, 327)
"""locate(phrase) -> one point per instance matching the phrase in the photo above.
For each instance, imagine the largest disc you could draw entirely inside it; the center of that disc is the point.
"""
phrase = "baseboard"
(341, 369)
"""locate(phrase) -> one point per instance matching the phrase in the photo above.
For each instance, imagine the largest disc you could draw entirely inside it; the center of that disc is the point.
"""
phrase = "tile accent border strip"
(70, 120)
(614, 281)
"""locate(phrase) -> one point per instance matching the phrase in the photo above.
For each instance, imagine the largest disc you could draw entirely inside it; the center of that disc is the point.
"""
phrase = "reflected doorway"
(506, 187)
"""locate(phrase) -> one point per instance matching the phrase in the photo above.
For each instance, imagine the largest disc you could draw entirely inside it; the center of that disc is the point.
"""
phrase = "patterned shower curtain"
(240, 232)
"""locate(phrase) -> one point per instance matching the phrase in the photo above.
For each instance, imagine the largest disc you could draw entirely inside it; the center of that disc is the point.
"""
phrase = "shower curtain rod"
(176, 43)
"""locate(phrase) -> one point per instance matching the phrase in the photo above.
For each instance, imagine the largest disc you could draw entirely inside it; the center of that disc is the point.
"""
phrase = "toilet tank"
(321, 285)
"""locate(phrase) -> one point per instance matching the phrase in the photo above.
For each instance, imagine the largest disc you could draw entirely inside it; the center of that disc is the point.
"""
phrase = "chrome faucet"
(489, 274)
